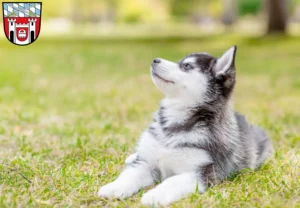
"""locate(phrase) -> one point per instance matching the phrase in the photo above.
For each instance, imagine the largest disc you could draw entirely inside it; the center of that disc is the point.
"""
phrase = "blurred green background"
(136, 18)
(74, 103)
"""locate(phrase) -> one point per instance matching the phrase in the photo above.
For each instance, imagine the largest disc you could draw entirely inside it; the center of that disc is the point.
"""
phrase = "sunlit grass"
(71, 111)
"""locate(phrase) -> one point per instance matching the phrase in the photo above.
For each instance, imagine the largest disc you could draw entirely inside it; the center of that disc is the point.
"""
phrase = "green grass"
(72, 110)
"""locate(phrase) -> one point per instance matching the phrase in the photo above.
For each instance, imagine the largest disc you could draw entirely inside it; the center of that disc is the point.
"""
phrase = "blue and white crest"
(22, 21)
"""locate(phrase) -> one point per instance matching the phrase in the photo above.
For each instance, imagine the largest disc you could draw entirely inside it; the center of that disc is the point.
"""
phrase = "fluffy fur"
(195, 139)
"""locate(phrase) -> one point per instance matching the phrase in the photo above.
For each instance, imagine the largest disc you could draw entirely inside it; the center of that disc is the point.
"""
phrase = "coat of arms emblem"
(22, 21)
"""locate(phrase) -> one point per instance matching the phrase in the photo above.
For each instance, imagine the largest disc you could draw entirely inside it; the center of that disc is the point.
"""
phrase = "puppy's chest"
(169, 160)
(173, 162)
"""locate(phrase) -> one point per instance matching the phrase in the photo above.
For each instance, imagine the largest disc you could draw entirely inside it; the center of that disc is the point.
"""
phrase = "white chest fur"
(170, 161)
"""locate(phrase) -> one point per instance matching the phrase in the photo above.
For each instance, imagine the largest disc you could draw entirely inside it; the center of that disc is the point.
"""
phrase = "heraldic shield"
(22, 21)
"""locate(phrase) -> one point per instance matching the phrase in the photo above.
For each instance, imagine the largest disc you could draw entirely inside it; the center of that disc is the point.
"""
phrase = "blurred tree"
(277, 16)
(94, 11)
(187, 10)
(76, 13)
(111, 11)
(229, 12)
(56, 8)
(180, 9)
(215, 8)
(251, 7)
(294, 8)
(142, 11)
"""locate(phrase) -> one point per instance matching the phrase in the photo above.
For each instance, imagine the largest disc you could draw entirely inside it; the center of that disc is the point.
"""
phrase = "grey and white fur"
(196, 139)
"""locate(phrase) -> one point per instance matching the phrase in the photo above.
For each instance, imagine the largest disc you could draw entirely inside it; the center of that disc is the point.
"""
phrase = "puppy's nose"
(156, 61)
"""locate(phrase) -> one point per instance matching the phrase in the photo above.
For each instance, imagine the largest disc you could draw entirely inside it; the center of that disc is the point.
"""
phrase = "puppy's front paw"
(117, 189)
(107, 191)
(156, 197)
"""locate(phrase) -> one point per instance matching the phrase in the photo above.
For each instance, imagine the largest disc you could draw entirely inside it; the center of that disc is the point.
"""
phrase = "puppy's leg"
(173, 189)
(131, 158)
(135, 176)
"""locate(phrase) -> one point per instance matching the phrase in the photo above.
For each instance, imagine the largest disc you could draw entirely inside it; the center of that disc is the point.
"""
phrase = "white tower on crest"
(12, 30)
(32, 31)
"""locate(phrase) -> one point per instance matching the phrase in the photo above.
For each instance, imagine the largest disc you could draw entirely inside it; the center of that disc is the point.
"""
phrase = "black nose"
(156, 61)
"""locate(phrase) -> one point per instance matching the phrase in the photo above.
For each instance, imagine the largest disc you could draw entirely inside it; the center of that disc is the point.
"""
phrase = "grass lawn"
(71, 112)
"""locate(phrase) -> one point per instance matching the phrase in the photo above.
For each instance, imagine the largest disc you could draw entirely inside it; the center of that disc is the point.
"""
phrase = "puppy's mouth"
(162, 79)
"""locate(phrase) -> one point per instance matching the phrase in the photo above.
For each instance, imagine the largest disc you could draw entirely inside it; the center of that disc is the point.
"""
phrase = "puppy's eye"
(188, 66)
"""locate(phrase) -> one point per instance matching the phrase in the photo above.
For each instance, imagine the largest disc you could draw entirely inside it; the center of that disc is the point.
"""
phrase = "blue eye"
(187, 66)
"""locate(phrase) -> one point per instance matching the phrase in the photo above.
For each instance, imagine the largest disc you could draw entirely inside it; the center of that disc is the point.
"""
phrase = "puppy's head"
(198, 77)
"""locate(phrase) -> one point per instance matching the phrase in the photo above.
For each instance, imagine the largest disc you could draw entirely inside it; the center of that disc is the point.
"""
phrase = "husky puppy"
(196, 139)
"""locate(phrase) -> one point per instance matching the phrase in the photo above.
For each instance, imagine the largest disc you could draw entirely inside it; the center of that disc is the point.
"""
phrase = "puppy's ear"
(225, 66)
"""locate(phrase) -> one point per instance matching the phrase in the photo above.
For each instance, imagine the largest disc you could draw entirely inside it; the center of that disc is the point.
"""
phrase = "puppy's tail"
(264, 147)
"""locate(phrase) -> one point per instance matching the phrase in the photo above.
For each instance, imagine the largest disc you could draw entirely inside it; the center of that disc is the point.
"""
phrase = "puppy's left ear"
(225, 66)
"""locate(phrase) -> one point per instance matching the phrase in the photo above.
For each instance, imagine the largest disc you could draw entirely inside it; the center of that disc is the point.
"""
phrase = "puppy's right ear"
(225, 65)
